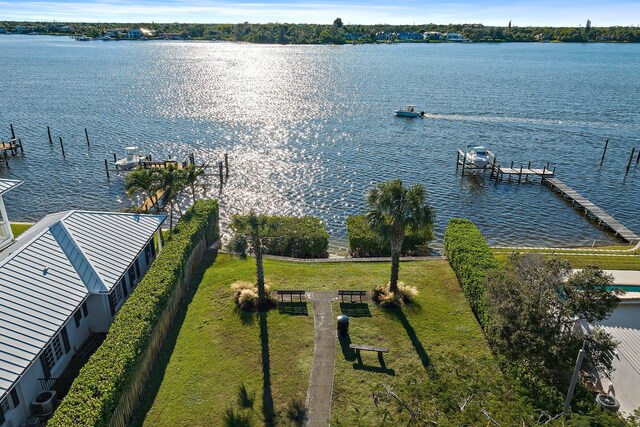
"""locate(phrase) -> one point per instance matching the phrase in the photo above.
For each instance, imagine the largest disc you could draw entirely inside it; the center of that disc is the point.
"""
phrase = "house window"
(152, 248)
(114, 298)
(85, 311)
(49, 358)
(147, 254)
(14, 398)
(57, 347)
(137, 264)
(77, 316)
(132, 276)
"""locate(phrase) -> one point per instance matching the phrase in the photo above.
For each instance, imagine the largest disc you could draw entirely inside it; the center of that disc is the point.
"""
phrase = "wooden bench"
(351, 294)
(291, 293)
(358, 347)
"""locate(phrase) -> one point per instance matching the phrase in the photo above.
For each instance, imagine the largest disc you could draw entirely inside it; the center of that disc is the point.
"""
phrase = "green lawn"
(623, 261)
(18, 229)
(435, 345)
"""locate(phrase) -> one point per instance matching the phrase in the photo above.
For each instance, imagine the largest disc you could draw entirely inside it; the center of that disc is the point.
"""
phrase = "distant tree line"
(282, 33)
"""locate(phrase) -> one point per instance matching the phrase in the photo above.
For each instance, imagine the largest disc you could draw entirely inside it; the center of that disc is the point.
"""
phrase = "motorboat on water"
(83, 38)
(479, 156)
(131, 159)
(410, 111)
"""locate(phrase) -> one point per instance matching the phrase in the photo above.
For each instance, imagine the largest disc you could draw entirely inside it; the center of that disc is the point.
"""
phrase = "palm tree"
(250, 238)
(145, 181)
(191, 176)
(393, 209)
(172, 182)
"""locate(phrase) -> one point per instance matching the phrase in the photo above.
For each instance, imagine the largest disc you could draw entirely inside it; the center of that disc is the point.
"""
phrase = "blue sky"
(498, 12)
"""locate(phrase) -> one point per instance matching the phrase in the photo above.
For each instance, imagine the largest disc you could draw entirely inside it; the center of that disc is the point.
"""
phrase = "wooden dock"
(148, 203)
(11, 147)
(592, 210)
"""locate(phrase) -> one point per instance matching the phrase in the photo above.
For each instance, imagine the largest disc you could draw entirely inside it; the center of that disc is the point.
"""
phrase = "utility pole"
(574, 380)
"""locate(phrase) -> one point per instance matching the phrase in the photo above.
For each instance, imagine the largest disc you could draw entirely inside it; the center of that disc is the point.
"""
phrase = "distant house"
(61, 284)
(2, 30)
(138, 33)
(21, 29)
(432, 35)
(117, 33)
(170, 36)
(541, 37)
(455, 37)
(402, 36)
(352, 36)
(384, 36)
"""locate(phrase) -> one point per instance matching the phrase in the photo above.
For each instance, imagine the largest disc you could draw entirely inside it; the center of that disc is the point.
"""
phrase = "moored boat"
(131, 160)
(479, 156)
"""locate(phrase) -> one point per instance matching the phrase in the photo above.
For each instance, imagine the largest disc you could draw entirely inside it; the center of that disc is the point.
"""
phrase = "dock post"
(220, 172)
(544, 169)
(529, 165)
(49, 133)
(604, 153)
(62, 146)
(226, 165)
(115, 159)
(458, 160)
(638, 158)
(464, 163)
(520, 174)
(633, 150)
(86, 135)
(493, 166)
(13, 135)
(106, 167)
(20, 145)
(6, 160)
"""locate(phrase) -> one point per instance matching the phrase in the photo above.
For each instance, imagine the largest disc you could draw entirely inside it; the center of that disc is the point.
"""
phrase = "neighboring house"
(432, 35)
(117, 33)
(20, 29)
(455, 37)
(352, 36)
(402, 36)
(61, 283)
(6, 234)
(2, 30)
(138, 33)
(541, 37)
(384, 36)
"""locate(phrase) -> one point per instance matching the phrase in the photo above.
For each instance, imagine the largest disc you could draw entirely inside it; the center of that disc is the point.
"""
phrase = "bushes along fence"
(364, 242)
(471, 260)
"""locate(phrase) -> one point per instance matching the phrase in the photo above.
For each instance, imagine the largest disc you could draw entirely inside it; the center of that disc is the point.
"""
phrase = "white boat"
(479, 156)
(410, 111)
(131, 160)
(83, 38)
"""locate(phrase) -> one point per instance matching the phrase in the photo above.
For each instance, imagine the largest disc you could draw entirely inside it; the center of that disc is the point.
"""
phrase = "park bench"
(351, 294)
(358, 347)
(291, 293)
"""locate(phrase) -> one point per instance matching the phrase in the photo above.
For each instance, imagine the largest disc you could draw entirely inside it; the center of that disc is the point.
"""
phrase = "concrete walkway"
(324, 355)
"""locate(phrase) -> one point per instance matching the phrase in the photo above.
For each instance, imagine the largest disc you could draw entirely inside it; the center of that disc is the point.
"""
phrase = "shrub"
(364, 242)
(245, 295)
(471, 260)
(96, 391)
(298, 237)
(405, 294)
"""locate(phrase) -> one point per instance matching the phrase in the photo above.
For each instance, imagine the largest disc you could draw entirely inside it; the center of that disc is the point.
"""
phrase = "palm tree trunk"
(193, 192)
(171, 218)
(260, 275)
(397, 237)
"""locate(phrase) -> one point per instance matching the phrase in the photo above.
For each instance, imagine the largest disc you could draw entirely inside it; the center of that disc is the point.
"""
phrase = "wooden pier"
(593, 211)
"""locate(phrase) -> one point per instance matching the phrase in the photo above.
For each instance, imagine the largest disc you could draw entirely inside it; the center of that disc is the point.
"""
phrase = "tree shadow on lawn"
(411, 333)
(268, 411)
(158, 371)
(293, 308)
(355, 309)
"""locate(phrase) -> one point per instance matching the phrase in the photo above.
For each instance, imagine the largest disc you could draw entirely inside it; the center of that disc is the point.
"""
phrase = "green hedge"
(297, 237)
(97, 389)
(471, 259)
(364, 242)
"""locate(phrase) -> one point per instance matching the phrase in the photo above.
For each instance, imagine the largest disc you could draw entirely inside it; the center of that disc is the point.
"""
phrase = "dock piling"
(220, 173)
(106, 167)
(62, 146)
(633, 150)
(13, 134)
(604, 153)
(458, 160)
(638, 158)
(226, 165)
(86, 135)
(520, 174)
(49, 133)
(115, 159)
(20, 145)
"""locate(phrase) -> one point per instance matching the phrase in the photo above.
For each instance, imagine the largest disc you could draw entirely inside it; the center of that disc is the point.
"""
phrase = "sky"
(497, 12)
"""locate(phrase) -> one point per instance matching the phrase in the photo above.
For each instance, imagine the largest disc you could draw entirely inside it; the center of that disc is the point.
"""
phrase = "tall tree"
(338, 23)
(191, 176)
(393, 209)
(172, 182)
(535, 304)
(249, 237)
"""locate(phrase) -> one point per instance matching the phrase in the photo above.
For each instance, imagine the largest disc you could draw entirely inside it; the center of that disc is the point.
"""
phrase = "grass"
(18, 229)
(624, 261)
(211, 371)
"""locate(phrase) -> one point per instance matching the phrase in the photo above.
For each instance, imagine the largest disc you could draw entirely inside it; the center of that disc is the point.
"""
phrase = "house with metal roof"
(61, 284)
(6, 235)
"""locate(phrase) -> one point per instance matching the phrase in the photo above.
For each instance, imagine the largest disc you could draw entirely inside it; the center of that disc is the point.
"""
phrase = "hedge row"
(364, 242)
(97, 389)
(471, 259)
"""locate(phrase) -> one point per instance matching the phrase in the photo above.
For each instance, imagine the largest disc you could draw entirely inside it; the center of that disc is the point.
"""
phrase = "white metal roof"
(8, 184)
(46, 278)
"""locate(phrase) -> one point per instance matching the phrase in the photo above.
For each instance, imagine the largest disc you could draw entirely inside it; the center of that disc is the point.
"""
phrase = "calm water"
(309, 129)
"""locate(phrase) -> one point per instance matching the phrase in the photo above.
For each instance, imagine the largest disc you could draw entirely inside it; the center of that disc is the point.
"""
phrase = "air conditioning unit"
(43, 403)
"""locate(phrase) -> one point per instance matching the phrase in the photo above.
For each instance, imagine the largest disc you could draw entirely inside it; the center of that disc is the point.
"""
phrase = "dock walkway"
(593, 210)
